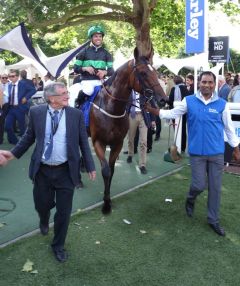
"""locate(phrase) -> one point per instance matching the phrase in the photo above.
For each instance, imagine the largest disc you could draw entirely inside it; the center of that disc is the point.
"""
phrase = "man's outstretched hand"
(151, 109)
(236, 154)
(5, 156)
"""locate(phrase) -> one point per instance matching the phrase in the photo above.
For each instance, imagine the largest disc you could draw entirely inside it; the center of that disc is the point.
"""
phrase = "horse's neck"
(121, 85)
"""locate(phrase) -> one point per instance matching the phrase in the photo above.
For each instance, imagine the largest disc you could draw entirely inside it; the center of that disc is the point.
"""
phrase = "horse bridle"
(147, 92)
(141, 82)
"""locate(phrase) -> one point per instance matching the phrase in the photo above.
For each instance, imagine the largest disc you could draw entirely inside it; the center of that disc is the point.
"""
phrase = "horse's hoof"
(106, 208)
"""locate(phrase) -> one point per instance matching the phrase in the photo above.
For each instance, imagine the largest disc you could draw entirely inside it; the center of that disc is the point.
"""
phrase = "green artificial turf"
(103, 250)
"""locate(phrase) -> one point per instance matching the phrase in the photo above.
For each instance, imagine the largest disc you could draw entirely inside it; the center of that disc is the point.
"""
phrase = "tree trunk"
(141, 11)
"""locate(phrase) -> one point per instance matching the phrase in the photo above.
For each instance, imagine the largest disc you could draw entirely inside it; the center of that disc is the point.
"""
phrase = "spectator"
(234, 94)
(178, 92)
(170, 84)
(236, 80)
(190, 83)
(48, 79)
(228, 77)
(223, 88)
(35, 83)
(3, 103)
(208, 118)
(40, 84)
(20, 91)
(138, 118)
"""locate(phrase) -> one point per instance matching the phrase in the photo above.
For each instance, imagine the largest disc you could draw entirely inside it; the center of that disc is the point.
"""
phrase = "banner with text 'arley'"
(195, 26)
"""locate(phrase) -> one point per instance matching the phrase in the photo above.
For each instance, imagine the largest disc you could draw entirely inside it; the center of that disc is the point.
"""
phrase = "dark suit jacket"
(25, 89)
(76, 136)
(184, 92)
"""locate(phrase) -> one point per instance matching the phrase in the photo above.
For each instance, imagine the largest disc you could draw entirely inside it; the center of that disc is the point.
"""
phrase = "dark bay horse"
(108, 118)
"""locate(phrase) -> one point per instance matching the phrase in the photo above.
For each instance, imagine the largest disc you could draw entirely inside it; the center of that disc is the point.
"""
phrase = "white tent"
(32, 67)
(2, 66)
(199, 61)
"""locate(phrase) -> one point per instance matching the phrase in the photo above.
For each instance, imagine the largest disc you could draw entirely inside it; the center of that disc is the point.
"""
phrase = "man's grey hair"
(221, 78)
(50, 89)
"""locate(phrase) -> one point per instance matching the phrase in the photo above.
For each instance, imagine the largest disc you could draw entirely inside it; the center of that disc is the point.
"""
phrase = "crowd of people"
(58, 132)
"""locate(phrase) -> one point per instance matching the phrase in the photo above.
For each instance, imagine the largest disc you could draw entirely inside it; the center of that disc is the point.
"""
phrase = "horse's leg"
(106, 174)
(114, 155)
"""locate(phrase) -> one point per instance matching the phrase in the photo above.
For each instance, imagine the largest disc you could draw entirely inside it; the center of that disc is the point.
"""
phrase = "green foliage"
(167, 27)
(234, 64)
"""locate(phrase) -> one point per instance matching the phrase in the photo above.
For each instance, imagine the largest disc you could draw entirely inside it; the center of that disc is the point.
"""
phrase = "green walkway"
(17, 214)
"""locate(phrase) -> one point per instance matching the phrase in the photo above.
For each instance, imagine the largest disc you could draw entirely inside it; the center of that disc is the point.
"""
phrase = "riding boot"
(82, 97)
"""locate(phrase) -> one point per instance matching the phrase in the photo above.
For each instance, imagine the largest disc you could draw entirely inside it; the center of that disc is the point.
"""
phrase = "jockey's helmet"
(95, 29)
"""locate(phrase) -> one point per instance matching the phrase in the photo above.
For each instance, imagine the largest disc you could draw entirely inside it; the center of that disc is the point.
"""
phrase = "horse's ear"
(136, 53)
(150, 55)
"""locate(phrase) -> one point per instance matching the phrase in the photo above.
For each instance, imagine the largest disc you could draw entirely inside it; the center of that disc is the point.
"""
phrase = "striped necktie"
(54, 126)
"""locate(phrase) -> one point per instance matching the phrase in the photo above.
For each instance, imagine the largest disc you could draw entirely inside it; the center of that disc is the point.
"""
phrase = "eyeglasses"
(63, 94)
(4, 78)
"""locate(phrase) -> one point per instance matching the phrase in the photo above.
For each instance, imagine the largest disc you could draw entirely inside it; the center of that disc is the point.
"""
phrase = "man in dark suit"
(19, 93)
(58, 130)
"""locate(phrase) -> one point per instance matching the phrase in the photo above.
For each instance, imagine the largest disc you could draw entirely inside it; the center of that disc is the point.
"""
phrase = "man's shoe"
(189, 206)
(129, 159)
(44, 224)
(156, 138)
(125, 152)
(143, 170)
(60, 254)
(217, 228)
(149, 150)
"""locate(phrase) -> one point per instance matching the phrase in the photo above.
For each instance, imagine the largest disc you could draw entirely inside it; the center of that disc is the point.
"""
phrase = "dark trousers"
(53, 187)
(14, 114)
(3, 114)
(158, 127)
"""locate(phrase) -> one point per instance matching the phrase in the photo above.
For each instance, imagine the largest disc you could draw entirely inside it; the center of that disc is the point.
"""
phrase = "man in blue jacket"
(208, 116)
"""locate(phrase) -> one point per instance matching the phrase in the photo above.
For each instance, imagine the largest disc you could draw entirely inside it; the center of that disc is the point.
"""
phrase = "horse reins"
(145, 90)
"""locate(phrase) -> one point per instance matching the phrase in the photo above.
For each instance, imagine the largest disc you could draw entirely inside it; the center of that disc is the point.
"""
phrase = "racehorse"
(109, 121)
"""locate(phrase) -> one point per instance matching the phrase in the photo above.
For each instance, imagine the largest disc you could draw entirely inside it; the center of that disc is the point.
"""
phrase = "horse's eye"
(143, 73)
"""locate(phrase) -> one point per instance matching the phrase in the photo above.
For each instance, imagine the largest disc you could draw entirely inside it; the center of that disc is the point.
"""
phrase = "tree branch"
(124, 13)
(152, 5)
(81, 19)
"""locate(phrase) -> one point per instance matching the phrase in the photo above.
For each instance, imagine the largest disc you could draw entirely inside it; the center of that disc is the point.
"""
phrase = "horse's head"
(144, 80)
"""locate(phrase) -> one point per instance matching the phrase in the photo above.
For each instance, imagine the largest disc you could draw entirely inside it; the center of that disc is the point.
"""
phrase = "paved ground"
(17, 214)
(233, 169)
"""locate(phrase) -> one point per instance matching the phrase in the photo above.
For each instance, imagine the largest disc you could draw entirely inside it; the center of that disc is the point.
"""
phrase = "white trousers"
(88, 85)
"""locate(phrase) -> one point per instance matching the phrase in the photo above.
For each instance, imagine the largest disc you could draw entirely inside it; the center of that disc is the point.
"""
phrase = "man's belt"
(65, 164)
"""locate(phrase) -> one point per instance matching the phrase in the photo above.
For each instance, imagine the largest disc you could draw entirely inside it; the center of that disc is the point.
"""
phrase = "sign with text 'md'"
(195, 26)
(218, 49)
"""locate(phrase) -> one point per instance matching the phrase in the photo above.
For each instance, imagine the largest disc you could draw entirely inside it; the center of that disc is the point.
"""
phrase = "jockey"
(93, 63)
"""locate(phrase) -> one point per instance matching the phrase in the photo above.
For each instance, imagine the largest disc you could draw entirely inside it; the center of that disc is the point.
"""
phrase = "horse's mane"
(110, 80)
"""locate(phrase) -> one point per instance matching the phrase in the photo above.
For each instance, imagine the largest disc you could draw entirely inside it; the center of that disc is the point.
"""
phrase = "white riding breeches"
(88, 85)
